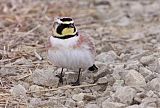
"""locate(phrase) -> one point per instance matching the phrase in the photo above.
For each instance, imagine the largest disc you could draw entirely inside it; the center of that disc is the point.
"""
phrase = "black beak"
(71, 25)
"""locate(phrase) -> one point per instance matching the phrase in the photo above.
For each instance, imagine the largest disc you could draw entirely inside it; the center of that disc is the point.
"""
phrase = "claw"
(60, 78)
(77, 83)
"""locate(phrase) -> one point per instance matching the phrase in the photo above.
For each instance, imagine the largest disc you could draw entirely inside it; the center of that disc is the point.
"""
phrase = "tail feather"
(93, 68)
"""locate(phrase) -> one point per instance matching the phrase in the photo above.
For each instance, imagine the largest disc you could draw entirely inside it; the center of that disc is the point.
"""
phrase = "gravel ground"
(127, 36)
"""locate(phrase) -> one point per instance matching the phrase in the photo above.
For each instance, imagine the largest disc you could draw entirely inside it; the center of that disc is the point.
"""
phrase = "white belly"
(71, 58)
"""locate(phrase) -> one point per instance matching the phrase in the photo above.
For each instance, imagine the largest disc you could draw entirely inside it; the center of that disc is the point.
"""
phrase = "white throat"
(64, 42)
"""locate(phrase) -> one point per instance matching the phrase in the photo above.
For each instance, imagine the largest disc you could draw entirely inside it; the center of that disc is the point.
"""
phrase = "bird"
(71, 49)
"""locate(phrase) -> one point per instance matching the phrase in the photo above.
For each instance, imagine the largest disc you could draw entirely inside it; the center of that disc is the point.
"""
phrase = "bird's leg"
(60, 76)
(78, 79)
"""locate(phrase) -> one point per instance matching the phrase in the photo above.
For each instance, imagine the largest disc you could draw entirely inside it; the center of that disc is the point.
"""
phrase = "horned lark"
(71, 49)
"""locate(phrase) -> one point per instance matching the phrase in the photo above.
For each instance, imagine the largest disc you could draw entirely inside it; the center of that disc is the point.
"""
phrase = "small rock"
(18, 91)
(91, 106)
(107, 57)
(100, 64)
(154, 66)
(36, 88)
(137, 8)
(24, 84)
(107, 104)
(43, 103)
(45, 77)
(133, 78)
(125, 94)
(139, 96)
(103, 80)
(76, 91)
(155, 84)
(80, 104)
(153, 41)
(70, 103)
(124, 21)
(22, 61)
(35, 102)
(101, 73)
(151, 94)
(133, 106)
(133, 65)
(8, 71)
(153, 7)
(150, 77)
(78, 97)
(89, 97)
(118, 72)
(149, 102)
(83, 96)
(144, 71)
(117, 84)
(147, 59)
(70, 77)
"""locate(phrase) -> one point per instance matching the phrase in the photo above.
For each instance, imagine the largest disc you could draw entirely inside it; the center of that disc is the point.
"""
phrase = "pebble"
(118, 72)
(124, 21)
(151, 94)
(147, 59)
(70, 77)
(70, 103)
(154, 84)
(22, 61)
(91, 106)
(149, 102)
(144, 71)
(125, 94)
(133, 78)
(107, 57)
(18, 91)
(36, 88)
(45, 78)
(80, 104)
(107, 104)
(83, 96)
(8, 71)
(133, 106)
(150, 77)
(103, 80)
(137, 8)
(133, 65)
(117, 84)
(101, 73)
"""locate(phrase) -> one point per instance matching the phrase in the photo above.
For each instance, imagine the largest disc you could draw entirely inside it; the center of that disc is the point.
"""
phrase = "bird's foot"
(60, 78)
(77, 83)
(93, 68)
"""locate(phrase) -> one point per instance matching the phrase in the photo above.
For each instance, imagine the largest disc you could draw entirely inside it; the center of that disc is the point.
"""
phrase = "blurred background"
(127, 29)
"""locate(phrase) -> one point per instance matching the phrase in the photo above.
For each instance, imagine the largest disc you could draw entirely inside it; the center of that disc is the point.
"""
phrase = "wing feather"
(86, 40)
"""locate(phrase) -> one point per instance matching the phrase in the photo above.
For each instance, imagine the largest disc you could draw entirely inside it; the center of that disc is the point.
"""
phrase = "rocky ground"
(127, 37)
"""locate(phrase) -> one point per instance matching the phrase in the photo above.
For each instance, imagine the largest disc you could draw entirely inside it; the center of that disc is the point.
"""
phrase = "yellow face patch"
(68, 31)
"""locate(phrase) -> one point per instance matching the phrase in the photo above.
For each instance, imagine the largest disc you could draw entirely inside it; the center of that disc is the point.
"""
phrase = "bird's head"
(64, 27)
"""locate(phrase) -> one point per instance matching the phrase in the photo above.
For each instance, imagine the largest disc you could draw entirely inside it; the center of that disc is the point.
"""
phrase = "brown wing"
(87, 40)
(50, 45)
